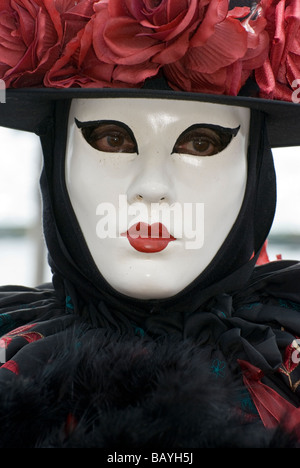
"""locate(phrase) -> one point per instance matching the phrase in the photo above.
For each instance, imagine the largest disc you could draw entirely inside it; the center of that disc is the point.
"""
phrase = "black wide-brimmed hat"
(201, 50)
(30, 110)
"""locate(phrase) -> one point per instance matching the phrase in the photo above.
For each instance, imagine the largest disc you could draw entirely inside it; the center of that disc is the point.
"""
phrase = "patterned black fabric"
(67, 383)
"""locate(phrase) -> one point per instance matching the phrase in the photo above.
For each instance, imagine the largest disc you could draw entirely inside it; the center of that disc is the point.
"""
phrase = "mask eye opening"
(204, 139)
(87, 128)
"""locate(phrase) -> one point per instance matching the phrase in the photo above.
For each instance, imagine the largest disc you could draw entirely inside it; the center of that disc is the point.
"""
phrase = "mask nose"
(153, 181)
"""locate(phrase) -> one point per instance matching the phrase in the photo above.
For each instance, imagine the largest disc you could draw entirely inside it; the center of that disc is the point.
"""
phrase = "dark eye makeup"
(204, 140)
(112, 136)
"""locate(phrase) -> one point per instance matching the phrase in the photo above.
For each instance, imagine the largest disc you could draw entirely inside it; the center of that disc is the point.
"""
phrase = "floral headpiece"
(198, 45)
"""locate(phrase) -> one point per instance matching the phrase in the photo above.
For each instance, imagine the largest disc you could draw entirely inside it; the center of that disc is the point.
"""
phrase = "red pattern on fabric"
(20, 332)
(263, 256)
(273, 409)
(70, 425)
(291, 357)
(11, 366)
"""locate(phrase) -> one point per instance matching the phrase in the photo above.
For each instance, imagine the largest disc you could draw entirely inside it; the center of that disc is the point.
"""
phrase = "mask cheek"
(218, 183)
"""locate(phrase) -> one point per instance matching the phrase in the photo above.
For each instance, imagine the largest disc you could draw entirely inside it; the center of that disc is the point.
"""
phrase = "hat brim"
(30, 109)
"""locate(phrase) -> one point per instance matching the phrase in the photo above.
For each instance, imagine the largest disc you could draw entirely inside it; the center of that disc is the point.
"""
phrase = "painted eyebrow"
(97, 123)
(217, 128)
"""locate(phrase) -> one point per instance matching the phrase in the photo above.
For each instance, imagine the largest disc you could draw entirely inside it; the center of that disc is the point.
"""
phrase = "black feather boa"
(118, 393)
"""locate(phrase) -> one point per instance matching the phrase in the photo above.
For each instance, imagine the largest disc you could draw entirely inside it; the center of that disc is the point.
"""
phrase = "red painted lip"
(148, 238)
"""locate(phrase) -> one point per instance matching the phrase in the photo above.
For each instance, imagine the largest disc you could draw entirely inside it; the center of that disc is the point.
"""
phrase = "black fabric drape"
(77, 276)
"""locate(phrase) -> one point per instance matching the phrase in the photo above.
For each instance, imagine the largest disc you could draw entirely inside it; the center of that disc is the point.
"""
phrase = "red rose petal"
(173, 52)
(162, 31)
(118, 8)
(215, 14)
(135, 75)
(126, 41)
(11, 48)
(228, 44)
(170, 30)
(265, 78)
(26, 22)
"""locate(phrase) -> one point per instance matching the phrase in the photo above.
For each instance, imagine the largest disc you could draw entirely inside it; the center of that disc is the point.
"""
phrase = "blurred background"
(23, 258)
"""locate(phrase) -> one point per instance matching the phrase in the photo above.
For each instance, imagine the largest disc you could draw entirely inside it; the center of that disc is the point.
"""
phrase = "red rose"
(32, 35)
(78, 66)
(142, 36)
(280, 74)
(222, 63)
(198, 44)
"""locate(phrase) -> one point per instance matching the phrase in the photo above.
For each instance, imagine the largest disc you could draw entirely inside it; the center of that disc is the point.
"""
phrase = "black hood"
(76, 275)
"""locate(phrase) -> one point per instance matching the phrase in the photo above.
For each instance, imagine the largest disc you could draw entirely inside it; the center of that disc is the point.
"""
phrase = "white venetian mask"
(156, 186)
